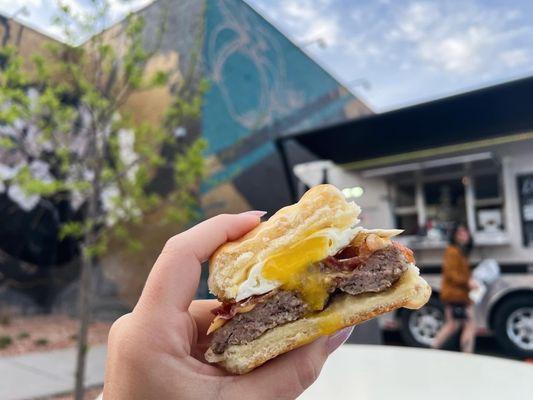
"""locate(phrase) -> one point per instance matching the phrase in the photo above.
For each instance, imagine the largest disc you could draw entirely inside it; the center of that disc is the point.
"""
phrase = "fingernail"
(338, 338)
(255, 212)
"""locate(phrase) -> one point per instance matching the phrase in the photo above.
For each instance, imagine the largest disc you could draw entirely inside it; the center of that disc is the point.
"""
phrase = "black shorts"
(458, 310)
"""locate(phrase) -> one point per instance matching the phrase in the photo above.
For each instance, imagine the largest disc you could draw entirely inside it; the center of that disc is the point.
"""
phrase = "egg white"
(256, 284)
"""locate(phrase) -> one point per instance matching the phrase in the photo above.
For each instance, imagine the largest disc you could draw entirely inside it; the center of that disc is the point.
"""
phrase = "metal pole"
(280, 145)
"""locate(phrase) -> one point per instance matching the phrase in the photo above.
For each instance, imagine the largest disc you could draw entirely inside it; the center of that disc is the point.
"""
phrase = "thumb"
(287, 376)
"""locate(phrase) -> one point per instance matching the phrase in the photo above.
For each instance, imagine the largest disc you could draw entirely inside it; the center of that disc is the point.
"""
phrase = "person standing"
(456, 285)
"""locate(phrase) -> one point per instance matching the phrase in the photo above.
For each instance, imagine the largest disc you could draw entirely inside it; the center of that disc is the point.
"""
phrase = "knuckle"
(172, 241)
(115, 332)
(123, 339)
(222, 218)
(176, 243)
(307, 372)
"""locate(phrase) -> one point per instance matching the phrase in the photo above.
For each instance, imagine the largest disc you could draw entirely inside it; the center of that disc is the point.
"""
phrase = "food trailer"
(466, 158)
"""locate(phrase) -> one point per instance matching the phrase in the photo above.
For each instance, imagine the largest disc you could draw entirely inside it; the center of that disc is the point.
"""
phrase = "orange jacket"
(455, 276)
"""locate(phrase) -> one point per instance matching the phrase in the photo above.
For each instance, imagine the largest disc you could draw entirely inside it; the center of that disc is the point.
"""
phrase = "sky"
(406, 51)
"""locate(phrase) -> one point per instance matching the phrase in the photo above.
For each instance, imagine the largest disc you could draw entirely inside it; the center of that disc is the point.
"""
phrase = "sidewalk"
(45, 374)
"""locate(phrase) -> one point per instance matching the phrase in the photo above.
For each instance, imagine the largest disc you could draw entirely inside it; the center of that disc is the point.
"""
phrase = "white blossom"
(76, 174)
(33, 96)
(179, 132)
(41, 170)
(127, 154)
(25, 201)
(76, 199)
(108, 197)
(7, 172)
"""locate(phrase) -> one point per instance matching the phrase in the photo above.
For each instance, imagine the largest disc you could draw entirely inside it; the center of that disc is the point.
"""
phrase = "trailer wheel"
(513, 325)
(419, 327)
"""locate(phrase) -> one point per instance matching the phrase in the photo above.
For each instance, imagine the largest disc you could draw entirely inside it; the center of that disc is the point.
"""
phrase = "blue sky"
(408, 50)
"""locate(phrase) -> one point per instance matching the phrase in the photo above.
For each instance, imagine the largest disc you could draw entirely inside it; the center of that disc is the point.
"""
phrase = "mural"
(237, 43)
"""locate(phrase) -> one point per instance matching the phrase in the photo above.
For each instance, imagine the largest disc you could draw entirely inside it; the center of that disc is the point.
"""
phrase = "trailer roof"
(493, 112)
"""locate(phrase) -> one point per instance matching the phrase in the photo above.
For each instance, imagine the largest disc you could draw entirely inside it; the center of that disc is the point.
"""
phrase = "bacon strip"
(345, 264)
(227, 311)
(407, 252)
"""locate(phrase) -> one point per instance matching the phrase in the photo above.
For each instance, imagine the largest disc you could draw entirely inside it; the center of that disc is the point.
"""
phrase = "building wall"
(28, 40)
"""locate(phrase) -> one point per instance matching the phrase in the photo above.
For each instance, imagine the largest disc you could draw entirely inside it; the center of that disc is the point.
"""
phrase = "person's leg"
(449, 327)
(468, 336)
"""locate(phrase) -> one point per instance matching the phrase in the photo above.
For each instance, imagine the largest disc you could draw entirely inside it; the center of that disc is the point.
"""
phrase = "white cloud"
(8, 5)
(120, 7)
(306, 20)
(417, 19)
(456, 53)
(459, 40)
(40, 12)
(515, 57)
(75, 6)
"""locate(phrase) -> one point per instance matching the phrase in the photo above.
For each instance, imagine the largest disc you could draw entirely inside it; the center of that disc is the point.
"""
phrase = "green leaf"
(6, 143)
(134, 244)
(72, 229)
(160, 78)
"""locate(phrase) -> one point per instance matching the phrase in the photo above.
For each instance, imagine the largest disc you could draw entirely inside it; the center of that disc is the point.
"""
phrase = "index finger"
(174, 278)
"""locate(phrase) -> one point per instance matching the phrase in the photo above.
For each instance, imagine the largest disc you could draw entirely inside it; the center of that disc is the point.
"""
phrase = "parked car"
(506, 312)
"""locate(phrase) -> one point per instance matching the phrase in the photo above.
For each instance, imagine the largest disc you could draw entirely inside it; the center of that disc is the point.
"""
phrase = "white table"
(365, 372)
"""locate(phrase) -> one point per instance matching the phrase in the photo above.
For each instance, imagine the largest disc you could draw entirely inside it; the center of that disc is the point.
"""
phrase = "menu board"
(525, 195)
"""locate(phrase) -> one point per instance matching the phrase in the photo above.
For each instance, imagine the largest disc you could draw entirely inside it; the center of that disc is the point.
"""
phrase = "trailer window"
(445, 205)
(488, 202)
(487, 186)
(429, 203)
(405, 195)
(409, 223)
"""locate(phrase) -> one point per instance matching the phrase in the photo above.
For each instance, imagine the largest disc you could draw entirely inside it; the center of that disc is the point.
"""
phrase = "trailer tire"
(513, 325)
(419, 327)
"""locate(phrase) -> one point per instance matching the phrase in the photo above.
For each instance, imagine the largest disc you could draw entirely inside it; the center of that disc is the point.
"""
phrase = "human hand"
(473, 284)
(156, 351)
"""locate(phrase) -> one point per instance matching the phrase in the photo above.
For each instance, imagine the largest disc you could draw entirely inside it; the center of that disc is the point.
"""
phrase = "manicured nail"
(255, 212)
(338, 338)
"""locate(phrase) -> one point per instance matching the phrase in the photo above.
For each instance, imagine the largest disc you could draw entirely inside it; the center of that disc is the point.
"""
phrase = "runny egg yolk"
(294, 269)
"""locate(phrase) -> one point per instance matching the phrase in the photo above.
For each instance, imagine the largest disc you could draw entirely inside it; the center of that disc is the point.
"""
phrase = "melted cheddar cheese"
(330, 321)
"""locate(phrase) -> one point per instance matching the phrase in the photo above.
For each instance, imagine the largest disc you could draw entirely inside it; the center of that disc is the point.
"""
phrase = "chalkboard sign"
(525, 195)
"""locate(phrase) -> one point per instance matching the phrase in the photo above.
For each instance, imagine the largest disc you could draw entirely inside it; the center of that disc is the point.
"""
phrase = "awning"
(492, 115)
(423, 165)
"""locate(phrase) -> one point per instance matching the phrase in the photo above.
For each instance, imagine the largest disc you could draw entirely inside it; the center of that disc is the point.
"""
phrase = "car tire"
(509, 318)
(410, 330)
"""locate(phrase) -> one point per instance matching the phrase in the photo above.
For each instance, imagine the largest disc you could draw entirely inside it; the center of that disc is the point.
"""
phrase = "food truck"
(465, 158)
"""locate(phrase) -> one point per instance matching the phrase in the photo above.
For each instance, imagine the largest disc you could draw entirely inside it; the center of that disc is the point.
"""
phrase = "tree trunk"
(85, 317)
(87, 266)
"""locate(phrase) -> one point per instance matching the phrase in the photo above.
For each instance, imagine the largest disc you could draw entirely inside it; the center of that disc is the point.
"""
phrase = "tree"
(64, 135)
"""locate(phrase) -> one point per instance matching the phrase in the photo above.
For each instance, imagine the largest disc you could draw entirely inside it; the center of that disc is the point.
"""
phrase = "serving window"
(429, 199)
